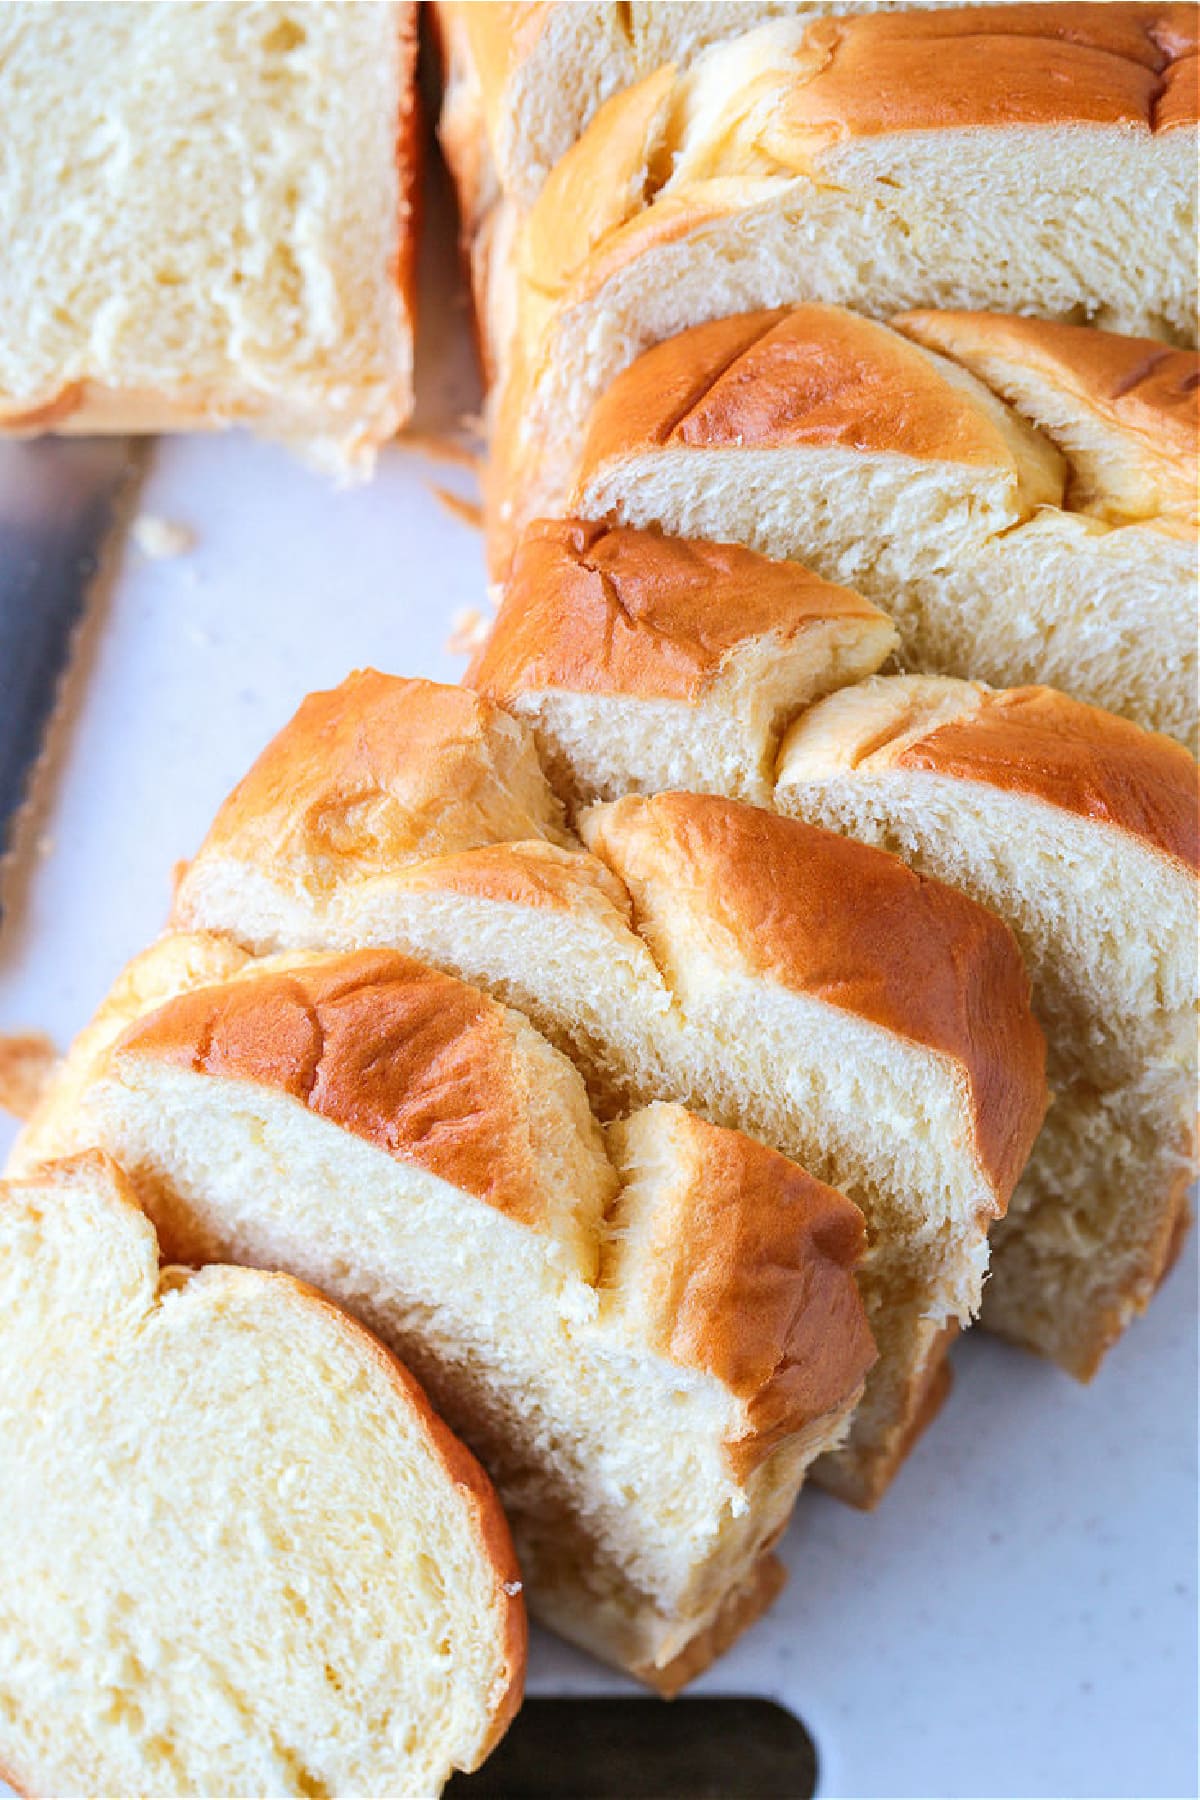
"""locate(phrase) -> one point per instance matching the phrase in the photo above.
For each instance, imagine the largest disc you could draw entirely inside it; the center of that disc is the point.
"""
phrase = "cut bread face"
(161, 274)
(1022, 535)
(418, 1152)
(882, 162)
(692, 655)
(1080, 831)
(240, 1553)
(574, 940)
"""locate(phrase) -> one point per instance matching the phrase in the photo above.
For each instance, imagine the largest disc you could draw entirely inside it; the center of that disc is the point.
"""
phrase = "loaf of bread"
(646, 1335)
(239, 1554)
(1028, 158)
(1025, 512)
(1076, 827)
(870, 1024)
(208, 221)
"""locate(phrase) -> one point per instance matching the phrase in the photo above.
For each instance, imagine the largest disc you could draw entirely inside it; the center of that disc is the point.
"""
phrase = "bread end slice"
(164, 271)
(240, 1553)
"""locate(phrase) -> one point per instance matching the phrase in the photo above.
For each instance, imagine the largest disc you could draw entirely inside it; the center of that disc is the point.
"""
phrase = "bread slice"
(239, 1554)
(208, 221)
(1080, 831)
(896, 160)
(524, 81)
(687, 658)
(647, 1339)
(708, 953)
(1023, 534)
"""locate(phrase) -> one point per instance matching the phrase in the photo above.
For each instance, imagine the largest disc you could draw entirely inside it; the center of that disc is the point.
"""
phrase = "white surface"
(1018, 1619)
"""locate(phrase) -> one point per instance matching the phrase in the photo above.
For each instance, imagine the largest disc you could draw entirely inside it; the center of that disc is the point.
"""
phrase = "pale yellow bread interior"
(239, 1554)
(161, 273)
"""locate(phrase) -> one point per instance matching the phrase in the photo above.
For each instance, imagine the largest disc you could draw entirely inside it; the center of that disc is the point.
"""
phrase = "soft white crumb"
(160, 538)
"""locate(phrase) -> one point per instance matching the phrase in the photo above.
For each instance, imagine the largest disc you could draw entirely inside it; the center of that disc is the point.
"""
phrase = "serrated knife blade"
(59, 500)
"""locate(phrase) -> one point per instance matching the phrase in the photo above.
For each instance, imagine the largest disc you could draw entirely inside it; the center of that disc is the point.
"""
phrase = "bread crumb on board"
(27, 1061)
(441, 447)
(469, 511)
(159, 538)
(469, 630)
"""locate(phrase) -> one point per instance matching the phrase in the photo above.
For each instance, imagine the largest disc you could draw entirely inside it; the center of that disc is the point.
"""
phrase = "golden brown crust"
(855, 928)
(814, 375)
(1039, 742)
(851, 78)
(532, 875)
(751, 1279)
(739, 1610)
(408, 1059)
(467, 1474)
(421, 770)
(954, 68)
(1177, 105)
(497, 39)
(600, 611)
(764, 1296)
(410, 162)
(1139, 389)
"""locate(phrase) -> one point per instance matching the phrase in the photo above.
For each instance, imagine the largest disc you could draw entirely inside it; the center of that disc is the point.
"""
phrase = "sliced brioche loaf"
(776, 990)
(923, 158)
(1075, 826)
(207, 221)
(1043, 531)
(1081, 831)
(238, 1552)
(647, 1340)
(712, 647)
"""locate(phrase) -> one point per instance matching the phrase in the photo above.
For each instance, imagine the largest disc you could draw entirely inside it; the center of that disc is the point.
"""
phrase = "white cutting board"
(1019, 1618)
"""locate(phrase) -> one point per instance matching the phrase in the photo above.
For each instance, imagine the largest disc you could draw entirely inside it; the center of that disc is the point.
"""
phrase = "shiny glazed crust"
(745, 1277)
(613, 611)
(1041, 743)
(411, 1060)
(856, 929)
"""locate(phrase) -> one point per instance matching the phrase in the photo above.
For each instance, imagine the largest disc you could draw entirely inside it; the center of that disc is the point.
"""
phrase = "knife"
(589, 1747)
(59, 500)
